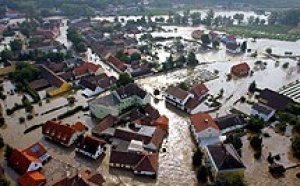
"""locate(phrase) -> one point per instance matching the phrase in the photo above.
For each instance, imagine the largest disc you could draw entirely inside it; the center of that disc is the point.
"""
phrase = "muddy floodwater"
(175, 163)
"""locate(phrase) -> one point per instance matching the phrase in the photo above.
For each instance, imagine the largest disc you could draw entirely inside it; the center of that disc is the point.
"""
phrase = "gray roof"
(108, 100)
(262, 109)
(230, 120)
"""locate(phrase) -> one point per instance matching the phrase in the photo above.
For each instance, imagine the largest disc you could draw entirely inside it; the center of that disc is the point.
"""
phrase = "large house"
(87, 69)
(90, 146)
(203, 127)
(63, 134)
(262, 111)
(84, 177)
(34, 178)
(230, 122)
(241, 69)
(104, 128)
(200, 91)
(120, 99)
(29, 159)
(140, 163)
(223, 160)
(115, 63)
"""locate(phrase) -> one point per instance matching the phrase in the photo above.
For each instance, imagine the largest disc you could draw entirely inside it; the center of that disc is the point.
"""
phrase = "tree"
(197, 158)
(135, 56)
(269, 50)
(202, 174)
(256, 124)
(256, 142)
(209, 17)
(124, 79)
(16, 45)
(252, 87)
(183, 86)
(296, 146)
(191, 59)
(234, 179)
(81, 47)
(235, 140)
(239, 17)
(8, 152)
(244, 46)
(181, 61)
(216, 44)
(205, 39)
(156, 92)
(196, 18)
(6, 55)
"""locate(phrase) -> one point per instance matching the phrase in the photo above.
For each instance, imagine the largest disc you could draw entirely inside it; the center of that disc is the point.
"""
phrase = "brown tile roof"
(20, 162)
(150, 111)
(39, 84)
(67, 76)
(131, 135)
(125, 158)
(147, 163)
(240, 68)
(157, 137)
(85, 177)
(87, 67)
(116, 62)
(192, 103)
(130, 90)
(61, 133)
(107, 122)
(202, 121)
(198, 90)
(177, 92)
(56, 67)
(162, 122)
(89, 144)
(225, 157)
(92, 82)
(51, 77)
(34, 178)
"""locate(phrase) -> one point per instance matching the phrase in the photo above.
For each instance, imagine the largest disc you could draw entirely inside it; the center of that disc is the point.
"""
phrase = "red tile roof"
(116, 62)
(162, 122)
(192, 103)
(177, 92)
(147, 163)
(34, 178)
(198, 90)
(87, 67)
(90, 144)
(202, 121)
(241, 68)
(61, 133)
(20, 162)
(107, 122)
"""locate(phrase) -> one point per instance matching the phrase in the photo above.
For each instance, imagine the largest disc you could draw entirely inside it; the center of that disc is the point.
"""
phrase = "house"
(120, 99)
(90, 146)
(85, 177)
(23, 163)
(87, 69)
(223, 160)
(230, 122)
(262, 111)
(200, 91)
(63, 134)
(38, 151)
(136, 68)
(34, 178)
(274, 100)
(241, 69)
(115, 63)
(162, 122)
(233, 47)
(177, 96)
(202, 126)
(103, 128)
(182, 99)
(140, 163)
(94, 85)
(59, 84)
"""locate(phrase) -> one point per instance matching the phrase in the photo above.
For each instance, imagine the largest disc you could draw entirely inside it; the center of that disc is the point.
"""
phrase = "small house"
(240, 70)
(90, 146)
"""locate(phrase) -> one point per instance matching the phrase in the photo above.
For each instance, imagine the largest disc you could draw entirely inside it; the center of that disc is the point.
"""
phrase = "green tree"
(183, 86)
(124, 79)
(234, 179)
(6, 55)
(269, 50)
(235, 140)
(296, 146)
(244, 46)
(196, 18)
(252, 87)
(239, 17)
(197, 158)
(16, 45)
(209, 17)
(202, 174)
(135, 56)
(81, 47)
(256, 142)
(256, 124)
(205, 39)
(191, 59)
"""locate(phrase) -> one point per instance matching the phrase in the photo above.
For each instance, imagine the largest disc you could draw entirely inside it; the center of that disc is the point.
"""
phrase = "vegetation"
(202, 174)
(124, 79)
(252, 87)
(184, 86)
(77, 40)
(72, 112)
(2, 144)
(191, 59)
(197, 158)
(255, 124)
(234, 179)
(296, 146)
(256, 142)
(235, 140)
(24, 72)
(8, 151)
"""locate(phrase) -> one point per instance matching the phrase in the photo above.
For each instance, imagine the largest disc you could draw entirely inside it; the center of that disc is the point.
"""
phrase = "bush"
(296, 146)
(256, 142)
(197, 158)
(285, 65)
(29, 117)
(256, 124)
(202, 174)
(70, 112)
(21, 119)
(257, 155)
(8, 151)
(9, 112)
(234, 179)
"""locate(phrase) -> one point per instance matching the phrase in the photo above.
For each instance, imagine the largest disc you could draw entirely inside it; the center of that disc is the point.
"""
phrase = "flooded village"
(144, 100)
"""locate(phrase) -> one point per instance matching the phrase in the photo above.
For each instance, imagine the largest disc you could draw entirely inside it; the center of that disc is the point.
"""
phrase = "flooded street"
(175, 162)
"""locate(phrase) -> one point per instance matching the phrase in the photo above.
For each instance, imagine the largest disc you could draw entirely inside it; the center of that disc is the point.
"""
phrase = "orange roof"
(79, 126)
(198, 90)
(162, 122)
(20, 161)
(147, 163)
(34, 178)
(242, 67)
(36, 150)
(202, 121)
(86, 68)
